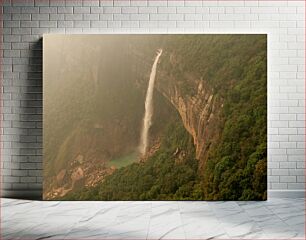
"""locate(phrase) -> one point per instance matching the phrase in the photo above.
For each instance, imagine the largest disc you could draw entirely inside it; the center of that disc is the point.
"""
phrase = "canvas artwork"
(155, 117)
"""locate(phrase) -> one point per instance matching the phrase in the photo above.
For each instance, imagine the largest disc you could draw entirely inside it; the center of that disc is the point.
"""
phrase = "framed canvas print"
(155, 117)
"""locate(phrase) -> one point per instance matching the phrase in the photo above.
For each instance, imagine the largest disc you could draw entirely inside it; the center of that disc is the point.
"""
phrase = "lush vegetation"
(170, 174)
(237, 165)
(234, 68)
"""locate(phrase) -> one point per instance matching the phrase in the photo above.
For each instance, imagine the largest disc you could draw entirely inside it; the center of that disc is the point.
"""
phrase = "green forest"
(233, 69)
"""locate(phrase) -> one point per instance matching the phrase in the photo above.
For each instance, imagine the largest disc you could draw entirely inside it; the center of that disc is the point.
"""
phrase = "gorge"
(205, 141)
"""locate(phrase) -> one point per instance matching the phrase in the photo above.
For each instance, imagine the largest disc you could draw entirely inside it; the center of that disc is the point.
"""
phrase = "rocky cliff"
(208, 138)
(193, 99)
(199, 110)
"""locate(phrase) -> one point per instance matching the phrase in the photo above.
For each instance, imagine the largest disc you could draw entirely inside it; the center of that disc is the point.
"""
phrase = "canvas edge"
(22, 194)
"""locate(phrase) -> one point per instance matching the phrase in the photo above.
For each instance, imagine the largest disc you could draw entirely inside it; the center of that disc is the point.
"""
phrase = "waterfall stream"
(147, 119)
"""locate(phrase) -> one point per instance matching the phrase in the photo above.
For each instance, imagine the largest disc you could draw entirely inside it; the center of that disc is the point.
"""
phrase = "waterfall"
(147, 119)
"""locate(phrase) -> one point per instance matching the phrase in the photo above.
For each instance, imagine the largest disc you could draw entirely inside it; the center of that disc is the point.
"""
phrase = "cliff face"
(193, 99)
(199, 110)
(208, 137)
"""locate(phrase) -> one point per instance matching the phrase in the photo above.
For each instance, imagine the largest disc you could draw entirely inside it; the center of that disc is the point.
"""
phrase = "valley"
(207, 136)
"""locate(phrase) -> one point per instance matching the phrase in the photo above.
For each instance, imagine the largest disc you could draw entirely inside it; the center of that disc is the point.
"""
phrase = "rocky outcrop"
(198, 108)
(190, 95)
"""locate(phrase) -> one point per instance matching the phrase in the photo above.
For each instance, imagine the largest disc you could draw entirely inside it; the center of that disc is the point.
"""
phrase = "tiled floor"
(273, 219)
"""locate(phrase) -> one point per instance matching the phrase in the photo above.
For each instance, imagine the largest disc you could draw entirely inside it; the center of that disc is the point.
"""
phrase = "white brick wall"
(24, 22)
